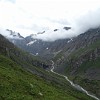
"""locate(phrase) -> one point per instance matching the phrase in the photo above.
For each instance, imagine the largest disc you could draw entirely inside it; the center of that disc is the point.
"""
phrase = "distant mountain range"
(37, 46)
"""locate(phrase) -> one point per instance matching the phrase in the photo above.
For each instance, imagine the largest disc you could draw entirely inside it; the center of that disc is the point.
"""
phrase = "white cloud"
(32, 16)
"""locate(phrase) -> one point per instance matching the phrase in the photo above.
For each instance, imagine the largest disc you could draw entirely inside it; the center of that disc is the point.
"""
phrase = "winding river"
(78, 87)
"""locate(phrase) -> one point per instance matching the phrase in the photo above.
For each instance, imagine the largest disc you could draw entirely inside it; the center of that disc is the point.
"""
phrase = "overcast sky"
(32, 16)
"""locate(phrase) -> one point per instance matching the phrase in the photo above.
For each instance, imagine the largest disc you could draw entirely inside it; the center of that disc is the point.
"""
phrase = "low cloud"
(88, 21)
(33, 16)
(79, 25)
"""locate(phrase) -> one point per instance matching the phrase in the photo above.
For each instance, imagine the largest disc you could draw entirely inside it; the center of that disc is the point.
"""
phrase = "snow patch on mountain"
(47, 48)
(37, 54)
(31, 42)
(70, 40)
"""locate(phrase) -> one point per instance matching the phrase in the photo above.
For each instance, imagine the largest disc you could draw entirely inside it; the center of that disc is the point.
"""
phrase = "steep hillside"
(18, 83)
(80, 60)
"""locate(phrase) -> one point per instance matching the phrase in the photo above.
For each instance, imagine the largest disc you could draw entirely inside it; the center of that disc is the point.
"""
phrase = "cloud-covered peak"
(52, 35)
(10, 34)
(33, 16)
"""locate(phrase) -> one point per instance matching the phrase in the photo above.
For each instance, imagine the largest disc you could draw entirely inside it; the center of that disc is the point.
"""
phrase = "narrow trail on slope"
(78, 87)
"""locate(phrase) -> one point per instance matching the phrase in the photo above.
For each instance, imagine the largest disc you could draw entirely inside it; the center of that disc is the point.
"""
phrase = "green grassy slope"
(18, 84)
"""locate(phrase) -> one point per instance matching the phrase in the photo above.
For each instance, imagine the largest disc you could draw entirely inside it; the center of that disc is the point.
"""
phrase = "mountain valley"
(77, 57)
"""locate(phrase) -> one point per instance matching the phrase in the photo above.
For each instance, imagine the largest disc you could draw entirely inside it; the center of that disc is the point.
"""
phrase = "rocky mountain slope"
(80, 59)
(41, 48)
(22, 76)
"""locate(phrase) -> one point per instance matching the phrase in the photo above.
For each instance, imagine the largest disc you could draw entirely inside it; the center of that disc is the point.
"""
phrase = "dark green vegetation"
(17, 83)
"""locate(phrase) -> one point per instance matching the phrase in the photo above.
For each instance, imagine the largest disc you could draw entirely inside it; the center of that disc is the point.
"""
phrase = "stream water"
(78, 87)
